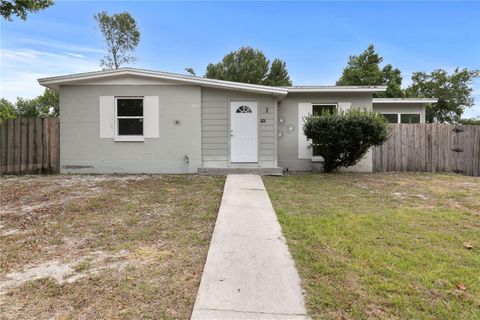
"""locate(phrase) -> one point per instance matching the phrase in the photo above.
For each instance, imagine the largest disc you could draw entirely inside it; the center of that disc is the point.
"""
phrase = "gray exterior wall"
(81, 146)
(203, 133)
(401, 108)
(216, 128)
(288, 143)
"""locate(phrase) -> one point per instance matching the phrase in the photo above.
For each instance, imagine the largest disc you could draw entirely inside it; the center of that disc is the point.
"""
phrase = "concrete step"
(278, 171)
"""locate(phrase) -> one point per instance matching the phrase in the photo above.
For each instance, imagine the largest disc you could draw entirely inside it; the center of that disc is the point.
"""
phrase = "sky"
(315, 39)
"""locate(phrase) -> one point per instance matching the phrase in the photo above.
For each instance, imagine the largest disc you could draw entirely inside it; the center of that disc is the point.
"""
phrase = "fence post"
(29, 146)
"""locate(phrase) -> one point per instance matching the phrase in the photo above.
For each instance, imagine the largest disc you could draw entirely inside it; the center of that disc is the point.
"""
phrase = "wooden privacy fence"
(428, 147)
(29, 145)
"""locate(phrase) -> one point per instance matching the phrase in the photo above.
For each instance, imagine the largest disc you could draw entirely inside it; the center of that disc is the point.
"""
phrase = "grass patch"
(383, 246)
(83, 265)
(128, 247)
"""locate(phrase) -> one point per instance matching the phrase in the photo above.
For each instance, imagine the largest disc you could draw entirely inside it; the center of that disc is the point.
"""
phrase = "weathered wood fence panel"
(428, 147)
(30, 146)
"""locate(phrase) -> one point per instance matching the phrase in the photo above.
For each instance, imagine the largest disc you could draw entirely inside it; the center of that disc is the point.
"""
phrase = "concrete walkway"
(249, 273)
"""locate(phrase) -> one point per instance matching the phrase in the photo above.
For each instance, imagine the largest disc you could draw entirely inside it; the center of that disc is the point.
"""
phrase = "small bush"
(343, 138)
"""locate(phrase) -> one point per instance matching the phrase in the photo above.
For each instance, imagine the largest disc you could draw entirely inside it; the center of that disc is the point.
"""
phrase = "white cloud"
(20, 69)
(75, 55)
(60, 45)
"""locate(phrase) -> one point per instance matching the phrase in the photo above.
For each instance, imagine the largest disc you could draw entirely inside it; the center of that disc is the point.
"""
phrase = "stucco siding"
(83, 151)
(216, 128)
(289, 129)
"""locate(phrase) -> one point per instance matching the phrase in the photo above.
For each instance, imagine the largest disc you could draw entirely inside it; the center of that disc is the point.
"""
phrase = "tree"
(453, 91)
(7, 110)
(343, 138)
(46, 105)
(49, 103)
(121, 37)
(278, 75)
(249, 65)
(470, 121)
(21, 8)
(393, 79)
(365, 69)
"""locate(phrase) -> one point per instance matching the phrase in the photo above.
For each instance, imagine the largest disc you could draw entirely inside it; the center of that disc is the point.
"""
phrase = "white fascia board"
(372, 89)
(55, 82)
(403, 100)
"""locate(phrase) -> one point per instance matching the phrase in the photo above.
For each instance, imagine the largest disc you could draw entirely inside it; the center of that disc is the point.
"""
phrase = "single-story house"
(140, 121)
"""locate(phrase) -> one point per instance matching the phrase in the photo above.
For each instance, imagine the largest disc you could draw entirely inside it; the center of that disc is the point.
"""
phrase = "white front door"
(243, 132)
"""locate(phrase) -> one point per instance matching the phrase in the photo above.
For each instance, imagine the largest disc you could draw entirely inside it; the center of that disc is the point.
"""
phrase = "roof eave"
(337, 89)
(406, 101)
(55, 82)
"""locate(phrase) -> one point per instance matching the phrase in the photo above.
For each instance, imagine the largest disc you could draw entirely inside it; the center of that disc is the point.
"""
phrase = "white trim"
(389, 112)
(325, 104)
(254, 111)
(280, 92)
(127, 81)
(122, 137)
(399, 115)
(106, 117)
(55, 82)
(304, 152)
(151, 116)
(275, 133)
(403, 100)
(371, 89)
(129, 139)
(409, 113)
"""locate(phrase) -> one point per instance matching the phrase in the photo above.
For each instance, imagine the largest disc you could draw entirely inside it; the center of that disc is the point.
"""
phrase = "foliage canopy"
(21, 8)
(45, 105)
(470, 121)
(249, 65)
(121, 36)
(364, 69)
(7, 110)
(343, 138)
(453, 91)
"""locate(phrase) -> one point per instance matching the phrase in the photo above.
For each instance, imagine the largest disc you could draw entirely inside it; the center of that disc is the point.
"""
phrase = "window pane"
(130, 127)
(130, 107)
(391, 117)
(319, 109)
(410, 118)
(244, 109)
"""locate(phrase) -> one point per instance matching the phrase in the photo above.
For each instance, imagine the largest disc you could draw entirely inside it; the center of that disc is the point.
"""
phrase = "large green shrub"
(343, 138)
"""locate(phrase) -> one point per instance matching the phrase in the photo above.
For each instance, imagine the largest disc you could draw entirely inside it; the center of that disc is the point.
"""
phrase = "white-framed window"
(129, 117)
(410, 118)
(319, 108)
(391, 117)
(401, 117)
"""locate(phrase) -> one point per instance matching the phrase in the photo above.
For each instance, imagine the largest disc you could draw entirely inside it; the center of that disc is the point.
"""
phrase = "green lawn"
(383, 246)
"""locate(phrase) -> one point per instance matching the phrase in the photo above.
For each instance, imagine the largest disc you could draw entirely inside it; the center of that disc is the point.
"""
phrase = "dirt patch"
(62, 271)
(32, 194)
(103, 247)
